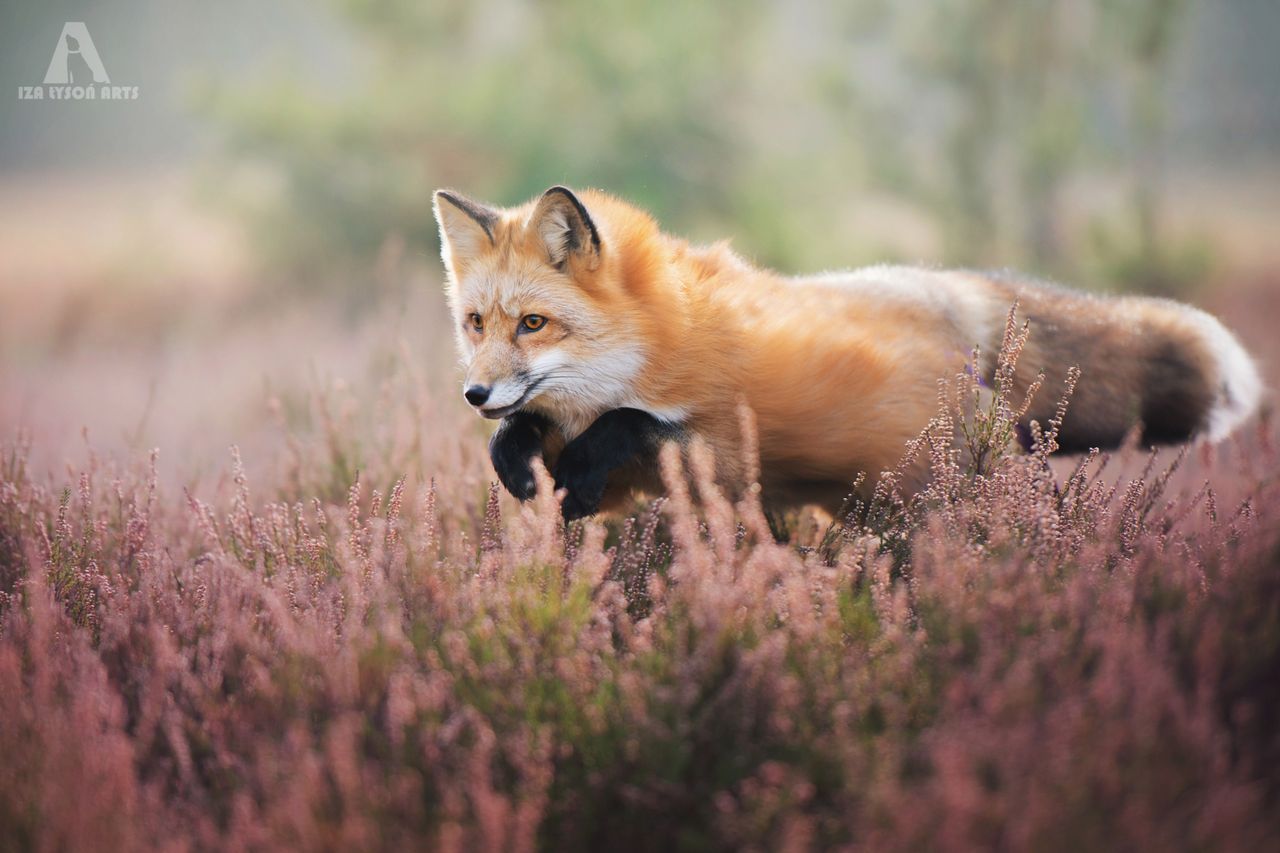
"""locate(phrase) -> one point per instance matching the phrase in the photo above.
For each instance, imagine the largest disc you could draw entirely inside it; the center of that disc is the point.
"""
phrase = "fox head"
(542, 310)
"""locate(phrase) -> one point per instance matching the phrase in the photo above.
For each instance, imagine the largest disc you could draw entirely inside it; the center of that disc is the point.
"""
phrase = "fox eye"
(477, 322)
(532, 322)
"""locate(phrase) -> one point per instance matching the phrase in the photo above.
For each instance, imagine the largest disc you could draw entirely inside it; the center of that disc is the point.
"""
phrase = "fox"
(594, 338)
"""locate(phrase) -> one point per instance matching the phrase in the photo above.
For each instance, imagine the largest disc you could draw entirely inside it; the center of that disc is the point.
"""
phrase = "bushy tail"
(1170, 367)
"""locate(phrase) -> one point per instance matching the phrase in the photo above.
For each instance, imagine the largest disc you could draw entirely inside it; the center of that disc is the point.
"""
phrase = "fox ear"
(566, 228)
(466, 226)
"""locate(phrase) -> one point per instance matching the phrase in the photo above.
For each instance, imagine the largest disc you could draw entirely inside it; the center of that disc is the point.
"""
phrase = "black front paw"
(583, 478)
(512, 450)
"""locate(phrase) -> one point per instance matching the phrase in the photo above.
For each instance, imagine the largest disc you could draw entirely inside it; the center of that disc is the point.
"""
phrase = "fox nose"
(477, 394)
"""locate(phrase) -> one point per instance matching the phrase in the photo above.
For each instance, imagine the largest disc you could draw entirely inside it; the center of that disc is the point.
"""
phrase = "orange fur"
(841, 370)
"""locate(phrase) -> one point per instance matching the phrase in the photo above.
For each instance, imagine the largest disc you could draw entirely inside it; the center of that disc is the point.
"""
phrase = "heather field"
(356, 641)
(260, 591)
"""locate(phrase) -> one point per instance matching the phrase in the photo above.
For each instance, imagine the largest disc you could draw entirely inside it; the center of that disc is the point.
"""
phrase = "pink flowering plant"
(372, 647)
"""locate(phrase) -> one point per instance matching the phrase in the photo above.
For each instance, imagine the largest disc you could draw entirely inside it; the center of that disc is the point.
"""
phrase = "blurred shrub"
(768, 121)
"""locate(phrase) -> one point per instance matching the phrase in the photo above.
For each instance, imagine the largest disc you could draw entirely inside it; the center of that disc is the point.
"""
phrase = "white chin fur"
(576, 391)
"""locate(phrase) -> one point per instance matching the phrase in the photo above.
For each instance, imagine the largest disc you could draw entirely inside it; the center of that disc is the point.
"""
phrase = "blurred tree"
(1143, 37)
(764, 119)
(1015, 78)
(500, 98)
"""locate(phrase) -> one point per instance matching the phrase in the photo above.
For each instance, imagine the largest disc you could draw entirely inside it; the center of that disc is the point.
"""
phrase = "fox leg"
(518, 440)
(618, 438)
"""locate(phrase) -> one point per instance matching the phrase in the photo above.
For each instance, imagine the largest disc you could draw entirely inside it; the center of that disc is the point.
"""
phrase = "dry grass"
(371, 648)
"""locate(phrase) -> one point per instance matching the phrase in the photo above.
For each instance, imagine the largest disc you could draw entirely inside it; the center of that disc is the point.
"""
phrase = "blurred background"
(191, 268)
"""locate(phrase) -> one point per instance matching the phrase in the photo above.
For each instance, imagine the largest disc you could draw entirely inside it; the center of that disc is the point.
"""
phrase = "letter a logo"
(75, 59)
